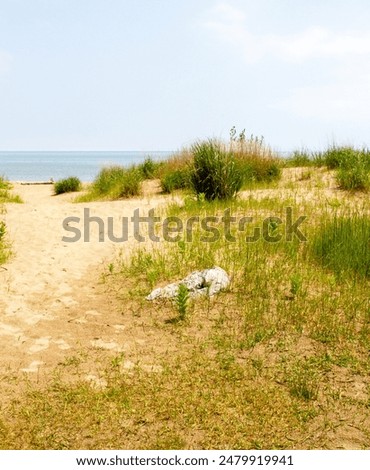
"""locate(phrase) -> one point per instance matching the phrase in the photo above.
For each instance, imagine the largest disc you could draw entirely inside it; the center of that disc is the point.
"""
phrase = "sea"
(44, 166)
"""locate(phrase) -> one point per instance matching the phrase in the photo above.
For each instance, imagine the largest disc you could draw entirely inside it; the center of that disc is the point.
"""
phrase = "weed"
(295, 284)
(302, 380)
(182, 301)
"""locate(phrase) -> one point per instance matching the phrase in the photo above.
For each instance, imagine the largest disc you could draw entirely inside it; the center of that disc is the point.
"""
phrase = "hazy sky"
(158, 74)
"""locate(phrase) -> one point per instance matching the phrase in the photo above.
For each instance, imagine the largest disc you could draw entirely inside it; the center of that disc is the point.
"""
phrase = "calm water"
(41, 166)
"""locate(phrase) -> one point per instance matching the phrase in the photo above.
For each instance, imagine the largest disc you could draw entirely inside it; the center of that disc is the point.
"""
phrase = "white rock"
(207, 282)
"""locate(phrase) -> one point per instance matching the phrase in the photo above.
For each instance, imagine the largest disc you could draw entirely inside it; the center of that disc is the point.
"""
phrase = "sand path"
(49, 304)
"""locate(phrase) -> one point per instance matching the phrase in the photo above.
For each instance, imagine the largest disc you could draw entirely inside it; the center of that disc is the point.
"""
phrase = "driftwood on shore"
(36, 182)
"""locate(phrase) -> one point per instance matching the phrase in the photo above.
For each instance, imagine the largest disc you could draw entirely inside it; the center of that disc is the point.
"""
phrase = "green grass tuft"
(6, 194)
(67, 185)
(215, 172)
(342, 244)
(4, 245)
(114, 182)
(149, 168)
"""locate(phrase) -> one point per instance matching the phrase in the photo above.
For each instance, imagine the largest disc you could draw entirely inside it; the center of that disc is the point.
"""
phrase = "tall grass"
(4, 184)
(174, 173)
(114, 182)
(352, 166)
(256, 160)
(5, 192)
(4, 244)
(218, 169)
(342, 244)
(307, 158)
(215, 172)
(336, 156)
(149, 168)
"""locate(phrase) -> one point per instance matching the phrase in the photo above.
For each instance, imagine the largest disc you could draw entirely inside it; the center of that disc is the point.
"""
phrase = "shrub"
(342, 245)
(215, 171)
(67, 185)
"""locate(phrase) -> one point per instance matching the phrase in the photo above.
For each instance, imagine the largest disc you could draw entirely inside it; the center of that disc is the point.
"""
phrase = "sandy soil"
(50, 302)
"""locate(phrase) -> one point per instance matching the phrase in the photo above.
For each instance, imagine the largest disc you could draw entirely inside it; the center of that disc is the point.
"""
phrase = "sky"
(160, 74)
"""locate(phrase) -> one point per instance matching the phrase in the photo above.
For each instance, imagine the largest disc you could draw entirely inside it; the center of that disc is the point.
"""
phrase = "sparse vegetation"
(352, 165)
(5, 192)
(67, 185)
(182, 300)
(279, 360)
(300, 158)
(4, 245)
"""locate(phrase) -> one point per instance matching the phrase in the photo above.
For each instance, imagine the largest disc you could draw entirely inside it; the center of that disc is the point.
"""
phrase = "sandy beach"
(50, 300)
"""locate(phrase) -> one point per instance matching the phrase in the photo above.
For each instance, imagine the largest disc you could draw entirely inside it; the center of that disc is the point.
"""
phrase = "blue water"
(41, 166)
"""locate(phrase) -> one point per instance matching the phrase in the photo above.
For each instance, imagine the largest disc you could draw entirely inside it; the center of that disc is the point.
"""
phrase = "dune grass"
(215, 173)
(279, 360)
(174, 173)
(5, 192)
(67, 185)
(149, 168)
(343, 245)
(352, 165)
(218, 170)
(114, 182)
(5, 251)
